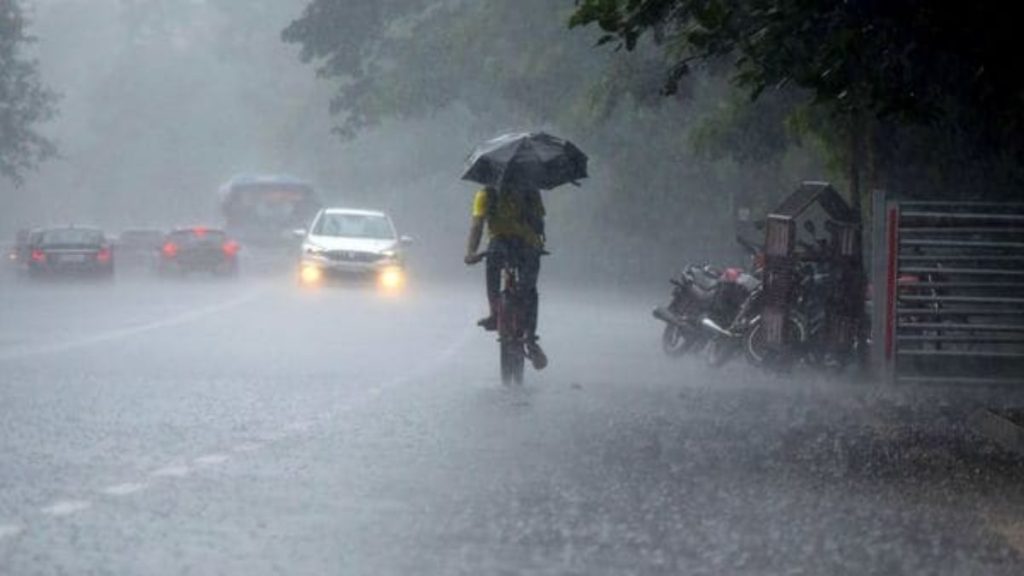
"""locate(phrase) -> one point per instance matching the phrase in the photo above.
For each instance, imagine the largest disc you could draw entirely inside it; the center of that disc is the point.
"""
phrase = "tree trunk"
(856, 158)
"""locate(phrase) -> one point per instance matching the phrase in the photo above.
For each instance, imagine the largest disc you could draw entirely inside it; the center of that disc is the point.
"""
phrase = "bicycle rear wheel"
(510, 339)
(512, 363)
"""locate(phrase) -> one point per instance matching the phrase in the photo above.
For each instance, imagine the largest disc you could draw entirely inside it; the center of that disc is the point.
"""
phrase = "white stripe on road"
(66, 507)
(247, 447)
(171, 472)
(301, 426)
(18, 353)
(211, 459)
(124, 489)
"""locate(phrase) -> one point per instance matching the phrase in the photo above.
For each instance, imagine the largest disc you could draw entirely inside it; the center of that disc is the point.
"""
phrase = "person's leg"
(529, 272)
(493, 280)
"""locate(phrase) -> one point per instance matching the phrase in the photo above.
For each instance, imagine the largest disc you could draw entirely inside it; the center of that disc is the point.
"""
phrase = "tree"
(409, 58)
(24, 101)
(514, 64)
(898, 62)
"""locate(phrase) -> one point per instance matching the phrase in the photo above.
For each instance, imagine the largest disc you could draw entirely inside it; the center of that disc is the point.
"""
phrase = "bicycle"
(513, 341)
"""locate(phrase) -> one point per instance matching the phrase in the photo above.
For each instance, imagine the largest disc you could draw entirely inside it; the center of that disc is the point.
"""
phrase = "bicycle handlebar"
(489, 253)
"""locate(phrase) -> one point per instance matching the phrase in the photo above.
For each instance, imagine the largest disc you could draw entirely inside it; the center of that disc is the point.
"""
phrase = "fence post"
(881, 257)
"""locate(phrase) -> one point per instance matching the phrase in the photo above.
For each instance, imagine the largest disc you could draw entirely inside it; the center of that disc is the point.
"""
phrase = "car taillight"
(169, 250)
(230, 248)
(38, 256)
(103, 255)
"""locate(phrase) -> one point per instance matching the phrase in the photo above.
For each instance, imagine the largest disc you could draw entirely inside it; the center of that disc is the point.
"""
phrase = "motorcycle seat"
(705, 281)
(702, 294)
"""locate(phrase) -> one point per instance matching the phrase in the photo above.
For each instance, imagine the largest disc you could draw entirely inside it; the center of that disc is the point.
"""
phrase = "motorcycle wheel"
(719, 352)
(675, 341)
(759, 354)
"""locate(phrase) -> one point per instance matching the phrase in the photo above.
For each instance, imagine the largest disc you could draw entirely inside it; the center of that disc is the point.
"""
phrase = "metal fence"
(948, 292)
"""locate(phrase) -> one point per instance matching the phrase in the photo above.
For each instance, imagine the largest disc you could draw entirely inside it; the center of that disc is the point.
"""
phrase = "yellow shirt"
(509, 217)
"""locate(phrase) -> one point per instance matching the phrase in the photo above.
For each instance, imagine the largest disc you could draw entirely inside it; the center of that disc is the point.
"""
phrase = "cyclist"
(514, 216)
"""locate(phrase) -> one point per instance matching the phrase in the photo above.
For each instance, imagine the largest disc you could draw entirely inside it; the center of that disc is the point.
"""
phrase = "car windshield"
(354, 226)
(72, 236)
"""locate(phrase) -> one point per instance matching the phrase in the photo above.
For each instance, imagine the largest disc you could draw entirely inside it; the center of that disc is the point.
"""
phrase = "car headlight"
(389, 253)
(310, 274)
(313, 249)
(391, 278)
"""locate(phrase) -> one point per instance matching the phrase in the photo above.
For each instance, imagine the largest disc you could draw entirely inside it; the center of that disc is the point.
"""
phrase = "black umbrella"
(533, 159)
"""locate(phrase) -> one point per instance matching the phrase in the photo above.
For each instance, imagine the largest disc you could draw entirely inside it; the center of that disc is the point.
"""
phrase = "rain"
(575, 287)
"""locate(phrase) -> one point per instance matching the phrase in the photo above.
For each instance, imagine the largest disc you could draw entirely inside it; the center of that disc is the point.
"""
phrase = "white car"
(357, 244)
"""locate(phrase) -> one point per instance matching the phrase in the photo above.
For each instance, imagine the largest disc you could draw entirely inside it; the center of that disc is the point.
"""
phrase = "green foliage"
(505, 59)
(915, 61)
(24, 101)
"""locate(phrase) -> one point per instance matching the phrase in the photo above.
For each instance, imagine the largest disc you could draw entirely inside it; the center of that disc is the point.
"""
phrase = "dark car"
(198, 249)
(70, 251)
(17, 255)
(139, 249)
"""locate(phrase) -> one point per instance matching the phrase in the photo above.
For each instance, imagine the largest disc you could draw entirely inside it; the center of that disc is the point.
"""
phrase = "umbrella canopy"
(529, 159)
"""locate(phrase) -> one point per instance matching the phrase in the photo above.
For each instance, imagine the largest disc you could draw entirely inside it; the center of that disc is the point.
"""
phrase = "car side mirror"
(299, 233)
(405, 240)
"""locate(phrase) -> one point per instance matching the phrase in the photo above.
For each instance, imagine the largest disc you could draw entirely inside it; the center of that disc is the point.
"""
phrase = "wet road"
(251, 428)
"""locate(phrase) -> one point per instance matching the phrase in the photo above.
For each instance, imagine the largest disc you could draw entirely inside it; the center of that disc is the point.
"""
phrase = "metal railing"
(949, 292)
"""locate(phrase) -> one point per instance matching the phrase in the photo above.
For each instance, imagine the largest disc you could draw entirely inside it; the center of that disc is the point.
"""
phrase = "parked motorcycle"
(703, 298)
(693, 293)
(746, 331)
(806, 319)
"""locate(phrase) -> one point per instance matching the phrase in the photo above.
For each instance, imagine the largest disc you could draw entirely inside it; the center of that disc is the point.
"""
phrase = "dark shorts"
(527, 258)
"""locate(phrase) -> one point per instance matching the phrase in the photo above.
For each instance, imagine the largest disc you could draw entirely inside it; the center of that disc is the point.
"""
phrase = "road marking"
(300, 426)
(211, 459)
(247, 447)
(124, 489)
(18, 353)
(171, 472)
(66, 507)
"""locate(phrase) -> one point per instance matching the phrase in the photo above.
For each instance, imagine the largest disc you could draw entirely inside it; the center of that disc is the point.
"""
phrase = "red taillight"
(103, 255)
(199, 231)
(38, 256)
(169, 250)
(230, 248)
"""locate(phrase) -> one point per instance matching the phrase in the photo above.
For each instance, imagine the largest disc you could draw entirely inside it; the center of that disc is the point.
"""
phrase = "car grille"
(352, 256)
